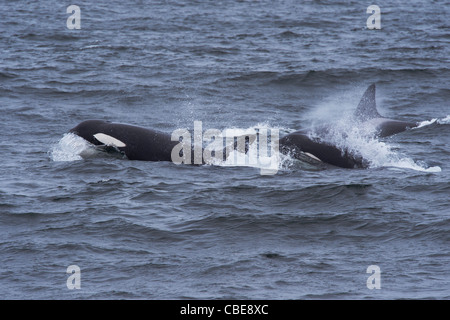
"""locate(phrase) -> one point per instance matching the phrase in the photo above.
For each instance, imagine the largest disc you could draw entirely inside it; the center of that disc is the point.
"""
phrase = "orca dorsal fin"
(367, 107)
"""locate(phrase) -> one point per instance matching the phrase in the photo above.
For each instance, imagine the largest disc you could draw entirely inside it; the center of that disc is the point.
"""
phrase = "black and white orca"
(134, 142)
(137, 143)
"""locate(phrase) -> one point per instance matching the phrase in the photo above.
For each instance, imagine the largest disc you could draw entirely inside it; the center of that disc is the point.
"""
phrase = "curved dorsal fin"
(367, 108)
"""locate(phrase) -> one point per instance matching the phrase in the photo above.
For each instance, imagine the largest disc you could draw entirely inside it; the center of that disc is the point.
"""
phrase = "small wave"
(407, 163)
(445, 120)
(289, 34)
(425, 123)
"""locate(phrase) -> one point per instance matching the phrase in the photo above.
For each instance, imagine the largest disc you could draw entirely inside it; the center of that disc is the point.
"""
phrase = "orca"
(137, 143)
(134, 142)
(311, 141)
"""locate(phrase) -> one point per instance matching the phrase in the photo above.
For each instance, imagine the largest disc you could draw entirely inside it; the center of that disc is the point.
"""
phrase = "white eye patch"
(109, 141)
(312, 156)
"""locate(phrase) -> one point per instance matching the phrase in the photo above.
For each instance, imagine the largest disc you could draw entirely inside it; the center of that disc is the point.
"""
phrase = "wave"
(339, 75)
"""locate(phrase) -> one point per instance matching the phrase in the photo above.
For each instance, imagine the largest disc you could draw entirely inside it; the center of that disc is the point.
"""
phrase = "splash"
(266, 158)
(360, 141)
(71, 148)
(383, 155)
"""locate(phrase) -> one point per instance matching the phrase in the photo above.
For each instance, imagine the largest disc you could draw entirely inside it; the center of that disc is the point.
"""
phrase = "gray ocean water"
(157, 230)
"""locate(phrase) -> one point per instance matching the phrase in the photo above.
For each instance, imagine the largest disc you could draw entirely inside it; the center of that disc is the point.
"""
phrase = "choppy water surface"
(143, 230)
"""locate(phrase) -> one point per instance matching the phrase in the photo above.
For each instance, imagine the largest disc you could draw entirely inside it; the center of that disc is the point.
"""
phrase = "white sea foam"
(426, 123)
(71, 148)
(445, 120)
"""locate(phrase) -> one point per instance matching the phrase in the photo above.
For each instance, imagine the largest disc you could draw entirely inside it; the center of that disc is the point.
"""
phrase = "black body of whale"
(135, 142)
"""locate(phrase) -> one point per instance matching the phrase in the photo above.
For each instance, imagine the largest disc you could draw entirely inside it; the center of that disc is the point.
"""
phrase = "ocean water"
(157, 230)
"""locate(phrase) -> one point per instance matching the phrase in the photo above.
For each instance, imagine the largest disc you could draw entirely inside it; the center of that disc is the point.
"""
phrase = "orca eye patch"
(109, 141)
